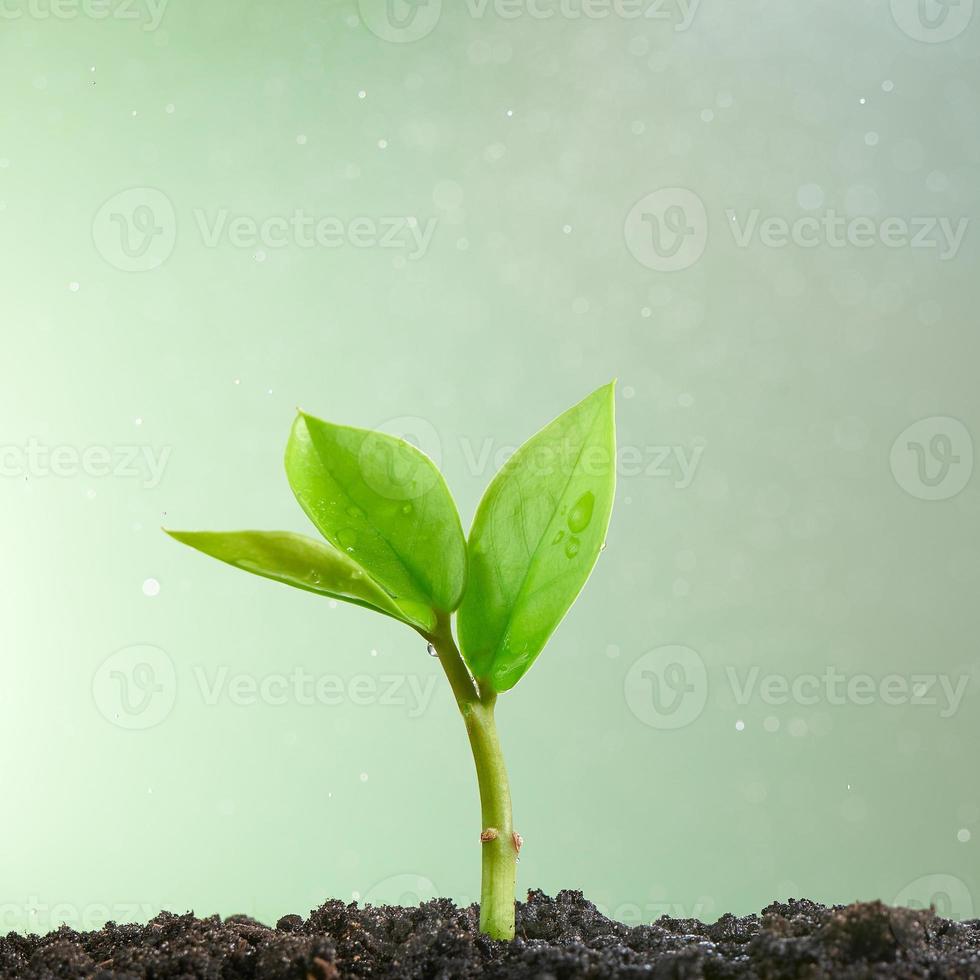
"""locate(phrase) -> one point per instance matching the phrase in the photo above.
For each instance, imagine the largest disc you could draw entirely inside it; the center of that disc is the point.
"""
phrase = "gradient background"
(802, 534)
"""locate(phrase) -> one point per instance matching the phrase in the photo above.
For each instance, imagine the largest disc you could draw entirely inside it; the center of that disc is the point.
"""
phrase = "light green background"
(800, 541)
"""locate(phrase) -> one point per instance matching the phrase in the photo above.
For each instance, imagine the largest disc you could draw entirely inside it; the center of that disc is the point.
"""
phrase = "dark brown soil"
(558, 939)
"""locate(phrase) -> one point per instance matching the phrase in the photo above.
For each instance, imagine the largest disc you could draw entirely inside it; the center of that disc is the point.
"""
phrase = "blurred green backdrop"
(452, 222)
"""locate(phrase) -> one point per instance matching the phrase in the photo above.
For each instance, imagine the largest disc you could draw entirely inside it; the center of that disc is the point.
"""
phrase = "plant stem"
(499, 842)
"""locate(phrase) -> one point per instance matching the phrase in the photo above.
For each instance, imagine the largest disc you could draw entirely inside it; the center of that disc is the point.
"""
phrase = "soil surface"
(561, 938)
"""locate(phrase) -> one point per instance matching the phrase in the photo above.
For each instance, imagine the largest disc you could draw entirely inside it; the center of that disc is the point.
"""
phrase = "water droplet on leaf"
(571, 549)
(558, 537)
(581, 515)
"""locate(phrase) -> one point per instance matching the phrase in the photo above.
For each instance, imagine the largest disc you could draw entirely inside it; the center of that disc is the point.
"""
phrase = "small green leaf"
(384, 503)
(306, 564)
(536, 535)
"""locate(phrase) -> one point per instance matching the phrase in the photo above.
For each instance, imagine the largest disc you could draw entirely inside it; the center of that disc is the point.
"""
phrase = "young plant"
(394, 544)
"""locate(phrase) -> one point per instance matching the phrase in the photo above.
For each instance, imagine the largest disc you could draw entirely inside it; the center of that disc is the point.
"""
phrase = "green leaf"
(306, 564)
(535, 538)
(384, 503)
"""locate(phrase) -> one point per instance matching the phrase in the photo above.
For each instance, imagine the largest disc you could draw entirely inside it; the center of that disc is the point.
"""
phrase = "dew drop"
(431, 650)
(571, 549)
(347, 537)
(581, 515)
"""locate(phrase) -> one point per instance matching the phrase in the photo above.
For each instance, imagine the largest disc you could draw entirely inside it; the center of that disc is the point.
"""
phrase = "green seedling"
(394, 544)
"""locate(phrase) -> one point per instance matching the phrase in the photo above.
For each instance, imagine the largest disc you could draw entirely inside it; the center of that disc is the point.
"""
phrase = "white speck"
(269, 392)
(364, 777)
(90, 494)
(356, 896)
(567, 229)
(382, 144)
(771, 724)
(887, 85)
(92, 68)
(151, 587)
(740, 726)
(707, 115)
(301, 139)
(134, 112)
(374, 653)
(260, 255)
(724, 100)
(629, 391)
(638, 127)
(646, 312)
(74, 287)
(138, 420)
(963, 835)
(863, 101)
(871, 138)
(238, 381)
(848, 785)
(612, 651)
(362, 94)
(170, 107)
(332, 603)
(510, 112)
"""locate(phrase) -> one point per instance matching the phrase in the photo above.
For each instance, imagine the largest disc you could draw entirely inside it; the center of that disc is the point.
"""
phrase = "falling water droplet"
(431, 650)
(581, 515)
(571, 549)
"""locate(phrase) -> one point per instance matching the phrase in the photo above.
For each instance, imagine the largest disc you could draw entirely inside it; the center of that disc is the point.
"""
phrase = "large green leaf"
(305, 564)
(536, 536)
(383, 502)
